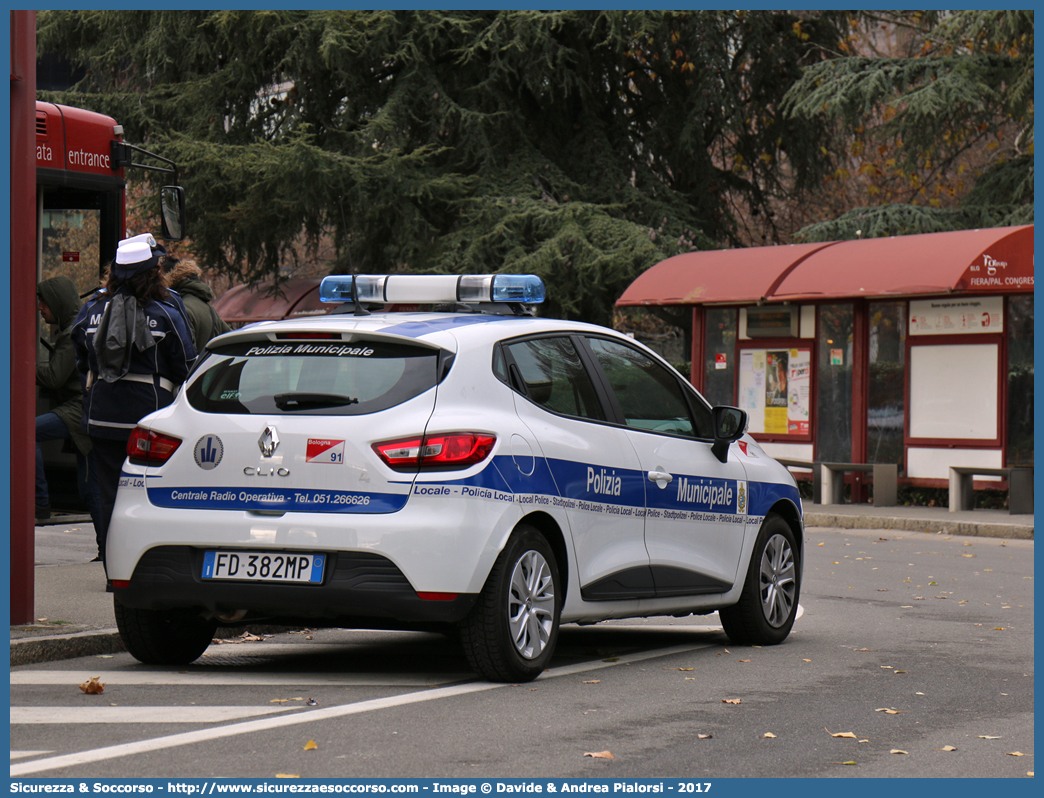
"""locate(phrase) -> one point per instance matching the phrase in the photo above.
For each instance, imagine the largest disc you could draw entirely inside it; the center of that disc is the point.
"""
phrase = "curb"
(939, 527)
(49, 648)
(32, 650)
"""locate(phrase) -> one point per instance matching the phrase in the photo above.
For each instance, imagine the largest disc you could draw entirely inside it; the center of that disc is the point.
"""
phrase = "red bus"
(81, 193)
(81, 160)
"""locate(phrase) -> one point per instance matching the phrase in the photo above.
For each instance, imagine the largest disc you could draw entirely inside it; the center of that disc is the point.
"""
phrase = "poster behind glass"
(775, 389)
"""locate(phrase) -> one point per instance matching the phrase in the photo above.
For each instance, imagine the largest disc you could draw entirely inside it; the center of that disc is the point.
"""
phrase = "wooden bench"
(886, 482)
(1020, 487)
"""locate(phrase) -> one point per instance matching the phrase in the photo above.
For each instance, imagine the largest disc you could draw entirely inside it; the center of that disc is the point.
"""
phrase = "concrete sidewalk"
(75, 616)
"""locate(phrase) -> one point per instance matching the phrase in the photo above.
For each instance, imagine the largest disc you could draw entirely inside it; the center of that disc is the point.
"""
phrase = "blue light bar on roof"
(527, 289)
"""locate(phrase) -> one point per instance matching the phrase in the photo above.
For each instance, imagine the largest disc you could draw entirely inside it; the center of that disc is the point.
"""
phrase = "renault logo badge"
(268, 441)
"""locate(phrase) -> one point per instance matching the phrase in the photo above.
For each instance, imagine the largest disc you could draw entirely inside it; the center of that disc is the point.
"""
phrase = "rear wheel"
(768, 604)
(510, 633)
(163, 637)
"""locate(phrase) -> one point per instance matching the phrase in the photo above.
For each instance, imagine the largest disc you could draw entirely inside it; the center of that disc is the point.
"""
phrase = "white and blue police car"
(474, 466)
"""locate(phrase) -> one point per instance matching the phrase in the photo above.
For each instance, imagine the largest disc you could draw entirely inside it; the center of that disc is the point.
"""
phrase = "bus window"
(70, 245)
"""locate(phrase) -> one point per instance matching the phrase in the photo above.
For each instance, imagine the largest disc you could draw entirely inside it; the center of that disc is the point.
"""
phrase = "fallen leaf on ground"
(92, 686)
(279, 701)
(592, 681)
(1015, 753)
(841, 734)
(310, 746)
(948, 748)
(987, 737)
(601, 755)
(850, 762)
(731, 700)
(888, 711)
(768, 734)
(898, 751)
(704, 736)
(743, 660)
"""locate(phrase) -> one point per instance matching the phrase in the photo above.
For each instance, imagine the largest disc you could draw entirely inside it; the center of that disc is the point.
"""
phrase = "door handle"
(660, 477)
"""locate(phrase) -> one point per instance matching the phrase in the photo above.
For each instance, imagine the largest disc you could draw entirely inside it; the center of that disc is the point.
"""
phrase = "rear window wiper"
(299, 400)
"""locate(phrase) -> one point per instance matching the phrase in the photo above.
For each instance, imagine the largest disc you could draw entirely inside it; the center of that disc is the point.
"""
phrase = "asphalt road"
(913, 658)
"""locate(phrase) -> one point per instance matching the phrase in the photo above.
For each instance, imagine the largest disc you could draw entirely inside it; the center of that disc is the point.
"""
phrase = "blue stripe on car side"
(501, 480)
(763, 495)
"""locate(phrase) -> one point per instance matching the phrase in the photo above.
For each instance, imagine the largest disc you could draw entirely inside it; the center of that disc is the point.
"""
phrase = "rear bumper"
(358, 589)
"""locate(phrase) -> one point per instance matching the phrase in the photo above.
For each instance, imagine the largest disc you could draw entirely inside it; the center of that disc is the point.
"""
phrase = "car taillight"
(445, 450)
(149, 448)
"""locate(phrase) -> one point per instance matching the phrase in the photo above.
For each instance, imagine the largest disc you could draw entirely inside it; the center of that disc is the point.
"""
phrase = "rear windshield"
(328, 378)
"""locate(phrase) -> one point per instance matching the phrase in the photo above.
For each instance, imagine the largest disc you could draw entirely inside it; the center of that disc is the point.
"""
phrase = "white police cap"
(132, 258)
(144, 238)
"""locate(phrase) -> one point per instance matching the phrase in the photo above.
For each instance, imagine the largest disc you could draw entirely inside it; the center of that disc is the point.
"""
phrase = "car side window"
(649, 395)
(555, 377)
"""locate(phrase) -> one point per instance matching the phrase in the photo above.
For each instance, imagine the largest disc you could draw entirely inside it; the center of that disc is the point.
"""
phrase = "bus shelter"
(914, 350)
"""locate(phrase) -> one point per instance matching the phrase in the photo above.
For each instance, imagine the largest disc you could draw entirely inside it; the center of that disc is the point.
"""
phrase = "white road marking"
(317, 715)
(107, 714)
(24, 754)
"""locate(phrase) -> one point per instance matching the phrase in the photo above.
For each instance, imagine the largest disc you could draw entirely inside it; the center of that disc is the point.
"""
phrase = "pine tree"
(943, 135)
(582, 146)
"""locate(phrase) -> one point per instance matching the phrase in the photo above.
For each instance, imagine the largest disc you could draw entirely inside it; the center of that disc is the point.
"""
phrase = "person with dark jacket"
(59, 302)
(185, 277)
(133, 350)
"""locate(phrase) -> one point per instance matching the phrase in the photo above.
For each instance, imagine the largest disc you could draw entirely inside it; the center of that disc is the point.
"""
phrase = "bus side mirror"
(172, 212)
(729, 425)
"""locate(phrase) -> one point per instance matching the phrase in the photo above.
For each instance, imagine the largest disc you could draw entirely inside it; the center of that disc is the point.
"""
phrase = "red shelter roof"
(992, 260)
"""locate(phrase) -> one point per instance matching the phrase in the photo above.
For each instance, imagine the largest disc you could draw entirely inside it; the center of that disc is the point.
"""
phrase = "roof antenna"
(347, 235)
(359, 309)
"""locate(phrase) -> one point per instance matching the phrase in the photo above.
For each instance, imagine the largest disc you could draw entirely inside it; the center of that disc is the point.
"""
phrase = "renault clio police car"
(475, 467)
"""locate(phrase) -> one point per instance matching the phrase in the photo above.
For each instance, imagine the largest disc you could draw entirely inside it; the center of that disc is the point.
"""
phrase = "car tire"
(768, 604)
(163, 637)
(510, 633)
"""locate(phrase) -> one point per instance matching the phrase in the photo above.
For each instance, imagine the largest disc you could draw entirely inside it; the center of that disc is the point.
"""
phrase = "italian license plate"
(264, 566)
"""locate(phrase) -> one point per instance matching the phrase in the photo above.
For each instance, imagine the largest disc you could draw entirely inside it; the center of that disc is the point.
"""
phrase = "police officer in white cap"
(133, 348)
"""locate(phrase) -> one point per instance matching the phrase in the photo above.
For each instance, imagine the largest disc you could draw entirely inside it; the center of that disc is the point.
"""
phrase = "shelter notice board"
(775, 387)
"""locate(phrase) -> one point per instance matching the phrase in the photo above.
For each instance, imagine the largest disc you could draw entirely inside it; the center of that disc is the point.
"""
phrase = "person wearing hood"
(185, 277)
(58, 302)
(133, 349)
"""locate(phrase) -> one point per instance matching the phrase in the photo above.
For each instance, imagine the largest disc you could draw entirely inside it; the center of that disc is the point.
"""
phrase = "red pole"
(22, 437)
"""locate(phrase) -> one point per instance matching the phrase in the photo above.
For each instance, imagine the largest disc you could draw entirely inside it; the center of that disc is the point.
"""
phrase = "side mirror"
(172, 212)
(729, 425)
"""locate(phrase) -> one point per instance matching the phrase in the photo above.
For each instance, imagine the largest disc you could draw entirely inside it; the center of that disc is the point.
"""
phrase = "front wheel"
(163, 637)
(510, 634)
(768, 604)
